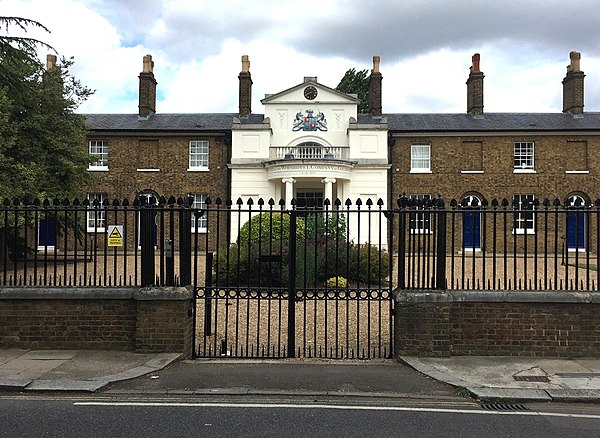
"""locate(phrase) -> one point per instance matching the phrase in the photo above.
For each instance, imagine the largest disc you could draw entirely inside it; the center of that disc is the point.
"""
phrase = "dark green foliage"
(42, 140)
(322, 224)
(368, 265)
(269, 228)
(356, 82)
(322, 252)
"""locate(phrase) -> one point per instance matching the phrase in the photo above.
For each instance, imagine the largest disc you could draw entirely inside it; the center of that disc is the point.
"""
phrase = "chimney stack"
(573, 86)
(147, 93)
(245, 96)
(375, 80)
(475, 88)
(50, 61)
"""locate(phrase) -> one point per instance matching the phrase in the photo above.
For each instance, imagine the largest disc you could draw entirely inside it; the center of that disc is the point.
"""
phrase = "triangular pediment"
(324, 94)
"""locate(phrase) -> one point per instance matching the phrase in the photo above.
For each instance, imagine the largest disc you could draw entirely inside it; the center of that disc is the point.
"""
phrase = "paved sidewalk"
(486, 378)
(516, 378)
(71, 370)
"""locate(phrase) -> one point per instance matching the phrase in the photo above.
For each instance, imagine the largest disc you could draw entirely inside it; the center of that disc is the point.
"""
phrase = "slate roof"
(492, 122)
(161, 122)
(400, 123)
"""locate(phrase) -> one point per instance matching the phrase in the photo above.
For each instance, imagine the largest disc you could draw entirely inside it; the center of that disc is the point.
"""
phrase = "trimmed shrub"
(269, 227)
(369, 265)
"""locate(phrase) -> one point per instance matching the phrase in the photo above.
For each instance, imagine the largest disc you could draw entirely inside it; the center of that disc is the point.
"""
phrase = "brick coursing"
(490, 327)
(119, 323)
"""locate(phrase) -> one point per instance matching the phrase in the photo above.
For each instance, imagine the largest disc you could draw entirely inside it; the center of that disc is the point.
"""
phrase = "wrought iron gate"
(277, 282)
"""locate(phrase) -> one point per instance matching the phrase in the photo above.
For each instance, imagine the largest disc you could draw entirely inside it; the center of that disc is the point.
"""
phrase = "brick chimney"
(50, 61)
(475, 88)
(245, 97)
(147, 93)
(573, 86)
(375, 79)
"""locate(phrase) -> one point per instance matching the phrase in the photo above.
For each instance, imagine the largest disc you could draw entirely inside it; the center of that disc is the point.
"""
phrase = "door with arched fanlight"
(471, 219)
(576, 223)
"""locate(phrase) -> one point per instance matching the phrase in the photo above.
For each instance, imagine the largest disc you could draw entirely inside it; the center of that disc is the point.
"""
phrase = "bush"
(332, 225)
(336, 282)
(369, 265)
(269, 227)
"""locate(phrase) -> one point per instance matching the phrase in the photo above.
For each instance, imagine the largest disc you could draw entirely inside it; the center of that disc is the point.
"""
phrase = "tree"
(41, 136)
(356, 82)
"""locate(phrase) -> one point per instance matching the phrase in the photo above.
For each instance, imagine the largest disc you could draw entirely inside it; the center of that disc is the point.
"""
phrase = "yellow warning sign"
(115, 235)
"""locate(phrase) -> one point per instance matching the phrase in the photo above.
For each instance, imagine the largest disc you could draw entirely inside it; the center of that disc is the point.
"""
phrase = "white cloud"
(425, 45)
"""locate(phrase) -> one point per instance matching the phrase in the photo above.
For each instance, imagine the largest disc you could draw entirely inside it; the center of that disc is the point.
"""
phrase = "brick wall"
(130, 319)
(555, 324)
(453, 154)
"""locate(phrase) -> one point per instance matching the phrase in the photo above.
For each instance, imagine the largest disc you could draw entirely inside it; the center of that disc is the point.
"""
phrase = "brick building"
(476, 157)
(311, 144)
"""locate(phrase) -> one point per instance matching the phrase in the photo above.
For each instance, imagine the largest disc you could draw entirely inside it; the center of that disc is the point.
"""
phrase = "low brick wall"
(133, 319)
(488, 323)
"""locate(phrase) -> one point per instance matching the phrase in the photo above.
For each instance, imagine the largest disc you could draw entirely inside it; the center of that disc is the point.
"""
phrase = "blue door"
(471, 230)
(47, 233)
(471, 217)
(576, 230)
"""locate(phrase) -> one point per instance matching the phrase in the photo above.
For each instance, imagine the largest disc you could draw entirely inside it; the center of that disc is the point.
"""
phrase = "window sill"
(420, 171)
(471, 171)
(521, 231)
(200, 230)
(96, 230)
(575, 172)
(198, 169)
(420, 232)
(97, 169)
(148, 170)
(524, 171)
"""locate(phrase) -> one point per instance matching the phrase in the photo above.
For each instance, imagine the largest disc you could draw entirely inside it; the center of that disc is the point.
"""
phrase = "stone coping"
(178, 293)
(458, 296)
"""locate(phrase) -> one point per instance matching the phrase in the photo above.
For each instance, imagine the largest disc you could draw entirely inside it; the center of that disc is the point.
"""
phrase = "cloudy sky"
(425, 48)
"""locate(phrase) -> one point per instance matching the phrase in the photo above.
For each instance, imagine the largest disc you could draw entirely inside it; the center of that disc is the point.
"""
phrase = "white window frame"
(198, 155)
(420, 162)
(199, 203)
(521, 214)
(99, 149)
(524, 157)
(420, 223)
(96, 217)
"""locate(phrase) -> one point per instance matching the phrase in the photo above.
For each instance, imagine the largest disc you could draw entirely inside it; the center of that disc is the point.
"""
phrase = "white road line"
(337, 407)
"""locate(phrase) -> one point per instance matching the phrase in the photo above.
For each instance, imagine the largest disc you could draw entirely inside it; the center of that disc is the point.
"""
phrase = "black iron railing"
(97, 244)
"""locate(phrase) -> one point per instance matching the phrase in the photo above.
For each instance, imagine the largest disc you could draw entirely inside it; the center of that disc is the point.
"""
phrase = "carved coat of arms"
(309, 121)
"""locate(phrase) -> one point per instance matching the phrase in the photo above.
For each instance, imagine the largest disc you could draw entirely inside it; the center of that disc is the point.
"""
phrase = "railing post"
(292, 286)
(147, 244)
(185, 243)
(440, 279)
(402, 203)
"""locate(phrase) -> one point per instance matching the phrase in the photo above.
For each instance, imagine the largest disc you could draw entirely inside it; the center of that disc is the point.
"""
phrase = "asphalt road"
(259, 417)
(288, 377)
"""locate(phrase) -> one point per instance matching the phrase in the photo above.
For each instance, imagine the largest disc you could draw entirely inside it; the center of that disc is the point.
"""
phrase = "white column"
(289, 191)
(328, 190)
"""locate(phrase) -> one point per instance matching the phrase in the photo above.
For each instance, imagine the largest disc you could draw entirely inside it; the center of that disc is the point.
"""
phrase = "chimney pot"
(148, 64)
